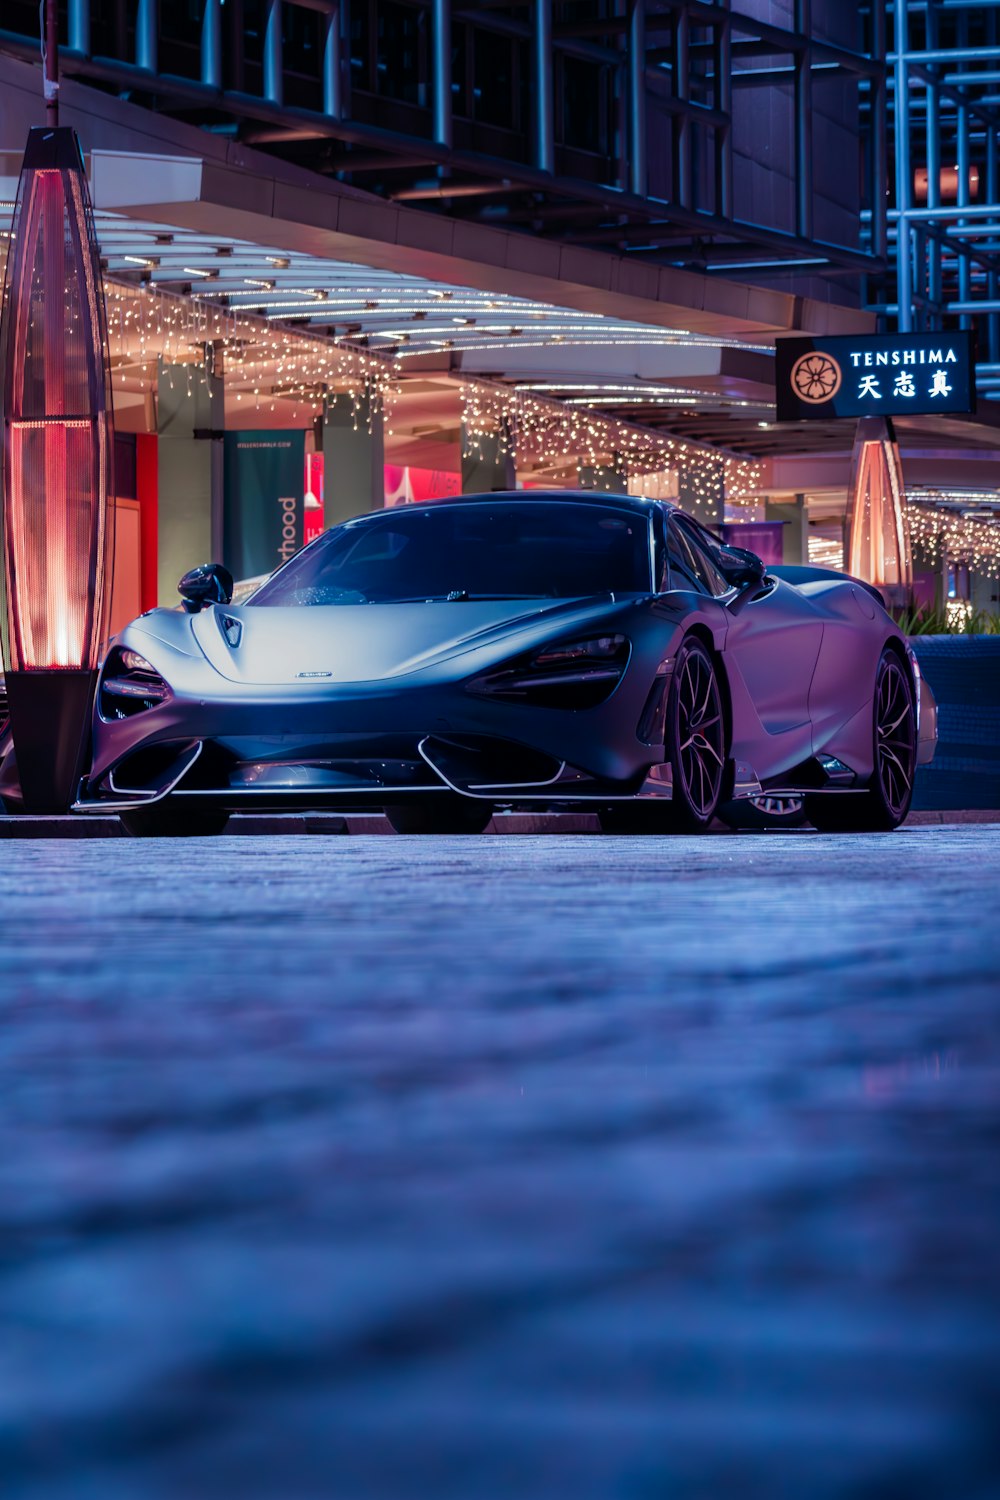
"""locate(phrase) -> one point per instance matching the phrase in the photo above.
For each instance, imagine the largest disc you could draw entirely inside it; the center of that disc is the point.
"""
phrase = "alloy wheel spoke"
(701, 743)
(892, 759)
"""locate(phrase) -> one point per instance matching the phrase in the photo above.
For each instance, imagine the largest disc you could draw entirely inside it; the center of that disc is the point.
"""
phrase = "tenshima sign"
(881, 375)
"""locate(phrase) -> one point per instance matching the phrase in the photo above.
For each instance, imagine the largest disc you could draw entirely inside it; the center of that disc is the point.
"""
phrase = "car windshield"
(530, 549)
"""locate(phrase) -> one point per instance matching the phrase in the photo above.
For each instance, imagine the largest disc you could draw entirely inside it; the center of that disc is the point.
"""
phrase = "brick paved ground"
(548, 1168)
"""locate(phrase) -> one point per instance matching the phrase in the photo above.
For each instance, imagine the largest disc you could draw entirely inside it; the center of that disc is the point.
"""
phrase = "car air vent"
(232, 629)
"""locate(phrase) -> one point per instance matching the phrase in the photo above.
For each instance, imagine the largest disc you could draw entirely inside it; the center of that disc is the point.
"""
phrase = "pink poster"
(405, 485)
(312, 515)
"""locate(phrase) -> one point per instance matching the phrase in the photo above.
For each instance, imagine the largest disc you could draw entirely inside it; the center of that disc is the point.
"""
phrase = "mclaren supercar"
(526, 650)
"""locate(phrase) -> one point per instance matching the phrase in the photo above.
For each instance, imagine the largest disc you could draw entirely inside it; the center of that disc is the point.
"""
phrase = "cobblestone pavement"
(501, 1169)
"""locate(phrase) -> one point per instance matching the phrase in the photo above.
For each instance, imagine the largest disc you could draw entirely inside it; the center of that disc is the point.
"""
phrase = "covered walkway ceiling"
(706, 376)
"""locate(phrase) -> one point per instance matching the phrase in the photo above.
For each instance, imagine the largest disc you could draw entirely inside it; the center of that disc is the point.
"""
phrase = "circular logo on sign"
(816, 378)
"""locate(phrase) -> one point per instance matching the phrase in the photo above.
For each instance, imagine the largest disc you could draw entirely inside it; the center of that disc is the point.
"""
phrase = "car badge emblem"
(314, 674)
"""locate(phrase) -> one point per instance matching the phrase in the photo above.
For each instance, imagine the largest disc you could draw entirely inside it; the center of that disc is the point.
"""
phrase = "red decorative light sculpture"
(58, 503)
(878, 544)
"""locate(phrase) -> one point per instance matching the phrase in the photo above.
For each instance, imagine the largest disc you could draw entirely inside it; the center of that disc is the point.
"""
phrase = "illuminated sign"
(876, 375)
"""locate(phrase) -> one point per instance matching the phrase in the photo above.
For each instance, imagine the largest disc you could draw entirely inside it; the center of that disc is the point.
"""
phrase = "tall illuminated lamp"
(58, 448)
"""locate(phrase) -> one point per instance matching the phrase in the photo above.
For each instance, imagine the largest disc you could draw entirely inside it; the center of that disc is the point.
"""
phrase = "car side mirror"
(741, 568)
(210, 583)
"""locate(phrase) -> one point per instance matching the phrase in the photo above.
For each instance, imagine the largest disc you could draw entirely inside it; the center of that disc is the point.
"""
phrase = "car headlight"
(129, 685)
(133, 662)
(564, 674)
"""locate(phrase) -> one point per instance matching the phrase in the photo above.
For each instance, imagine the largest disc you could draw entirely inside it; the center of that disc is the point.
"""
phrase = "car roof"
(642, 504)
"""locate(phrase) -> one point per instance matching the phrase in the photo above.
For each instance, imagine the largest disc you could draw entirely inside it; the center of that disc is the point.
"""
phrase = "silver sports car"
(525, 650)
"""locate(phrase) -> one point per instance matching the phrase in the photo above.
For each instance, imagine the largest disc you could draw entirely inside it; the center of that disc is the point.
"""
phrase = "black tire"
(167, 820)
(886, 802)
(446, 815)
(695, 738)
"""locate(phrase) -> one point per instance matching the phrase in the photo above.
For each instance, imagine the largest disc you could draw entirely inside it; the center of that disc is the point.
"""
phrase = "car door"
(772, 646)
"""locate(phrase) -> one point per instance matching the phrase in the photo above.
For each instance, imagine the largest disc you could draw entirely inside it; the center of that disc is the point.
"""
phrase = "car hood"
(368, 642)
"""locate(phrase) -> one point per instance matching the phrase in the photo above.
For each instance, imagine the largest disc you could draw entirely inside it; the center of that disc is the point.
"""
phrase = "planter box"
(964, 674)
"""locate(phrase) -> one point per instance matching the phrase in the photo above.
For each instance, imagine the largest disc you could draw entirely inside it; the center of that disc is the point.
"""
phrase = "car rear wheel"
(167, 820)
(447, 815)
(695, 739)
(886, 802)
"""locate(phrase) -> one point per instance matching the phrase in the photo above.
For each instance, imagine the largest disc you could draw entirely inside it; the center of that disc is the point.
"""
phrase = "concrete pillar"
(795, 537)
(487, 466)
(612, 477)
(930, 578)
(189, 472)
(706, 501)
(985, 593)
(353, 443)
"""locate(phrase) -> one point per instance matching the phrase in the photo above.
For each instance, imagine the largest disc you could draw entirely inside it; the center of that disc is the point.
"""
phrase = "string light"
(953, 536)
(254, 357)
(530, 427)
(263, 361)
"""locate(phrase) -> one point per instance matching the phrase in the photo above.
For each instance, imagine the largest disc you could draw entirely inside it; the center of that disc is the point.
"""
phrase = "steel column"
(441, 71)
(79, 26)
(803, 105)
(724, 104)
(211, 44)
(682, 187)
(50, 20)
(993, 196)
(879, 138)
(333, 63)
(274, 82)
(638, 176)
(901, 104)
(542, 69)
(147, 25)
